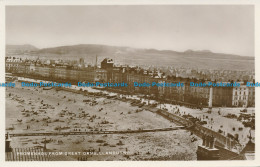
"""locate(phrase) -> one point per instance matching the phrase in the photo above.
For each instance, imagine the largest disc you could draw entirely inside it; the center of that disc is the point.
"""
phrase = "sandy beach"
(38, 110)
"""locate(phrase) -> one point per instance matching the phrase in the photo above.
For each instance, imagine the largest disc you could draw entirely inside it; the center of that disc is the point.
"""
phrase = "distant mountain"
(135, 56)
(82, 49)
(21, 48)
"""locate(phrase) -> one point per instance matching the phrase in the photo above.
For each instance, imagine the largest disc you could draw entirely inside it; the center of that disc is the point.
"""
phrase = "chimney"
(204, 140)
(207, 141)
(212, 140)
(8, 147)
(207, 152)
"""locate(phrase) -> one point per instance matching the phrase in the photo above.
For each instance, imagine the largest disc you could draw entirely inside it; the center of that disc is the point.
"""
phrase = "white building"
(240, 96)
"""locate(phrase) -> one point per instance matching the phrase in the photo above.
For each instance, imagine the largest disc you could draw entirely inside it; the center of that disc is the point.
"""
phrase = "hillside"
(21, 48)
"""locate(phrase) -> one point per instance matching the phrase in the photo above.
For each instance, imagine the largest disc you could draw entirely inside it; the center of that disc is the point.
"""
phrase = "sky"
(218, 28)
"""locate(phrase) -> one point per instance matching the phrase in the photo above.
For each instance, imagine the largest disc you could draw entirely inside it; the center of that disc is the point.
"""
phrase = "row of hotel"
(242, 96)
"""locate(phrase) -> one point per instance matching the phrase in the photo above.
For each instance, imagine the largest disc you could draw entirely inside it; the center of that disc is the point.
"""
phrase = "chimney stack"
(207, 141)
(204, 140)
(207, 150)
(212, 142)
(8, 147)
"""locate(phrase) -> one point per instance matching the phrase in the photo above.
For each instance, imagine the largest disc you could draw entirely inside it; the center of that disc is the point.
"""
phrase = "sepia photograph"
(130, 82)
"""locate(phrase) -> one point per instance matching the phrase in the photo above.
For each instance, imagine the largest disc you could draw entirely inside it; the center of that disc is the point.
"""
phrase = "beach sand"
(37, 110)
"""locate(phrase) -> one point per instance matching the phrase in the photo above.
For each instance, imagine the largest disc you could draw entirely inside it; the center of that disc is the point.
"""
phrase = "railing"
(27, 154)
(95, 132)
(198, 129)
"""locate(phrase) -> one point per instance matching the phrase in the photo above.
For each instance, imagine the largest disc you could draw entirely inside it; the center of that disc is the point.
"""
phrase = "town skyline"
(140, 57)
